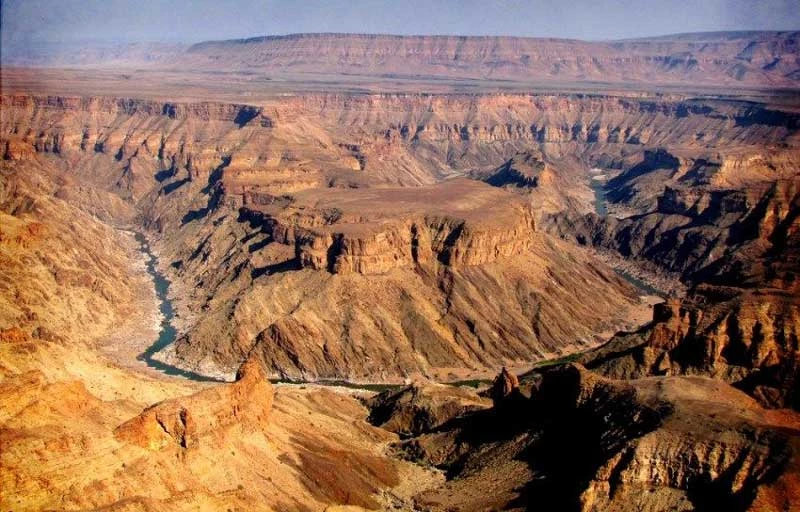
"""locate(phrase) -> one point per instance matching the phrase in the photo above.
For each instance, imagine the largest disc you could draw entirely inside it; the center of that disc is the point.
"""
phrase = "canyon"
(625, 255)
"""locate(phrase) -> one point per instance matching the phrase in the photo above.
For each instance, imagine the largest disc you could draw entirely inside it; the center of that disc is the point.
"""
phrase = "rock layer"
(747, 338)
(584, 442)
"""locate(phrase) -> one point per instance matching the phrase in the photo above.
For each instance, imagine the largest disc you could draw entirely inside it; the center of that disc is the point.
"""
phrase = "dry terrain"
(323, 215)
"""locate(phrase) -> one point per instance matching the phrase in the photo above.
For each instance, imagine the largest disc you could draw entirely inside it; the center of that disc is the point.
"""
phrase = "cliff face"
(361, 231)
(319, 140)
(745, 337)
(426, 318)
(728, 219)
(26, 105)
(553, 118)
(584, 442)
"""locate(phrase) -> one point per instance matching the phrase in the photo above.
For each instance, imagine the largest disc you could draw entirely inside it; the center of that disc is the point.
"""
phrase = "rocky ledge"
(585, 442)
(183, 422)
(458, 223)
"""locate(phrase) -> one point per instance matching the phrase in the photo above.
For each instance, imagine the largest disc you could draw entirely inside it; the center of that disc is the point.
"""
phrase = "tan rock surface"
(81, 432)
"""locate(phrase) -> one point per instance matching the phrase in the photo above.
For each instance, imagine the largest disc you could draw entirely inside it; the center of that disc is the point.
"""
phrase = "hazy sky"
(190, 21)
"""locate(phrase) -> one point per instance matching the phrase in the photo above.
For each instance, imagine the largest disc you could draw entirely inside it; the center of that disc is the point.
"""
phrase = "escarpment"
(26, 105)
(585, 442)
(744, 58)
(747, 338)
(52, 272)
(723, 464)
(318, 140)
(550, 119)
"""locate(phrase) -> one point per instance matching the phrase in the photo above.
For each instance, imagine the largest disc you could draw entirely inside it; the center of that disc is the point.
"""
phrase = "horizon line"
(288, 35)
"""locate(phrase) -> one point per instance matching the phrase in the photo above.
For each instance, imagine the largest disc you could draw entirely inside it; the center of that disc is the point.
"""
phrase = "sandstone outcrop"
(374, 231)
(74, 437)
(244, 404)
(745, 337)
(505, 388)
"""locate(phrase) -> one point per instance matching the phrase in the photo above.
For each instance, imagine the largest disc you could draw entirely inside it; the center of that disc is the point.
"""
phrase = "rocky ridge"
(743, 337)
(184, 421)
(729, 227)
(584, 442)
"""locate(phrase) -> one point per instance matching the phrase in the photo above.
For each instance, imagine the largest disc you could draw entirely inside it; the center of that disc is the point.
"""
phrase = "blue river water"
(598, 186)
(601, 208)
(167, 333)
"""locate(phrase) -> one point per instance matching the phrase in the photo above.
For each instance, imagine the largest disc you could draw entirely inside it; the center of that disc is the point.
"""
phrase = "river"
(597, 181)
(167, 332)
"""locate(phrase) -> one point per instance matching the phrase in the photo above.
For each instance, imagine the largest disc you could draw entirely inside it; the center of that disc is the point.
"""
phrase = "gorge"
(624, 255)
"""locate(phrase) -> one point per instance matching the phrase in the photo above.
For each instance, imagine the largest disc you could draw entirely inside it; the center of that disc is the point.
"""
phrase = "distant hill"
(753, 59)
(91, 54)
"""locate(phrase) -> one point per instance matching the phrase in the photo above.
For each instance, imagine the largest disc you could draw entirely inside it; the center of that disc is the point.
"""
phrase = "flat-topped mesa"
(757, 58)
(459, 223)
